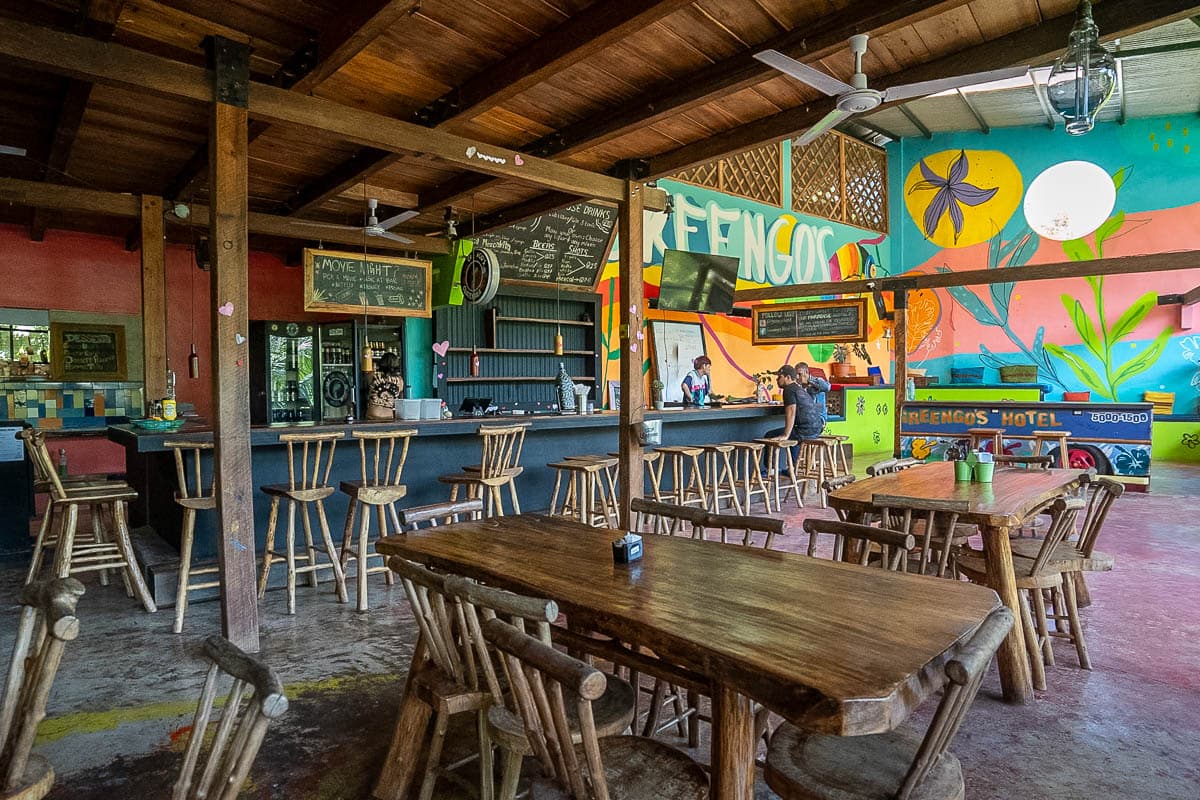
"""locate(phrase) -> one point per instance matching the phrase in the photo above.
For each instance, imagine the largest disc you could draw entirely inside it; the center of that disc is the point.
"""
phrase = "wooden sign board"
(384, 285)
(567, 247)
(87, 352)
(811, 323)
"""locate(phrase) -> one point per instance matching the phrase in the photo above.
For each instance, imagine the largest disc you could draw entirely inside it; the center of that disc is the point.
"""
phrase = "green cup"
(983, 472)
(962, 471)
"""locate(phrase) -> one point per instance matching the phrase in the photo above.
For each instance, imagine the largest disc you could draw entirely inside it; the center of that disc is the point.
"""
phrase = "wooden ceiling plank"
(353, 171)
(383, 194)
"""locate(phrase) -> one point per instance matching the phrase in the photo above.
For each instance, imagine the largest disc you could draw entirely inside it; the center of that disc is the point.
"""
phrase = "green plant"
(656, 388)
(841, 353)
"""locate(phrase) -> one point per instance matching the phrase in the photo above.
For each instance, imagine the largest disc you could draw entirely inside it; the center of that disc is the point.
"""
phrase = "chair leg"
(557, 489)
(268, 553)
(487, 777)
(1083, 597)
(291, 556)
(1033, 650)
(693, 722)
(512, 490)
(66, 540)
(314, 580)
(681, 725)
(339, 577)
(364, 531)
(1073, 617)
(347, 551)
(656, 700)
(510, 774)
(434, 758)
(121, 527)
(39, 546)
(1039, 613)
(185, 567)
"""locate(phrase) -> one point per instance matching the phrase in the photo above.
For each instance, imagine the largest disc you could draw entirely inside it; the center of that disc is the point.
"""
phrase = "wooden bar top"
(834, 647)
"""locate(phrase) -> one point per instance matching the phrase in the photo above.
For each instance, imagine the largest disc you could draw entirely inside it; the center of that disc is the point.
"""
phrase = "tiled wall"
(70, 405)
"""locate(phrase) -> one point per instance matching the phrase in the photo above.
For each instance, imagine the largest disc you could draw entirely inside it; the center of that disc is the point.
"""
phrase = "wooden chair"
(413, 517)
(254, 700)
(687, 475)
(667, 518)
(748, 461)
(987, 436)
(1035, 576)
(852, 542)
(933, 522)
(830, 486)
(782, 473)
(109, 511)
(200, 497)
(885, 467)
(907, 462)
(744, 528)
(897, 764)
(381, 457)
(1058, 439)
(309, 463)
(47, 622)
(719, 480)
(499, 467)
(543, 681)
(1028, 462)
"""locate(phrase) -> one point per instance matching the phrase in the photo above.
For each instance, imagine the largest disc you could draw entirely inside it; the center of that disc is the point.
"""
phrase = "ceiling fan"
(855, 97)
(373, 226)
(8, 150)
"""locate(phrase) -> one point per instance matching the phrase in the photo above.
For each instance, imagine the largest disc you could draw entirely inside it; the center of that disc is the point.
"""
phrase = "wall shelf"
(510, 379)
(539, 320)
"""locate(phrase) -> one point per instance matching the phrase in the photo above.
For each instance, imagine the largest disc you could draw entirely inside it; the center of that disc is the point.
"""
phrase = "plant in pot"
(763, 386)
(656, 392)
(841, 367)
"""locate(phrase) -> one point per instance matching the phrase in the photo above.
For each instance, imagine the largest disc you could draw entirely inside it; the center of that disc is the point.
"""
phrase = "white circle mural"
(1069, 200)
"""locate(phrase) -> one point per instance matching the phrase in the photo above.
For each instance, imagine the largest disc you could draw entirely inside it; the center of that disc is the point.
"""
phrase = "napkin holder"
(627, 549)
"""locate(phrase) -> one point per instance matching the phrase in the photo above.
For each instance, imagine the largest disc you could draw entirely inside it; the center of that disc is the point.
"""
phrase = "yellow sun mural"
(959, 198)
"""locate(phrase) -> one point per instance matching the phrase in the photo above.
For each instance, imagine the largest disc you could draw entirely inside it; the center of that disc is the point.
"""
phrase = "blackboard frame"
(58, 367)
(847, 302)
(384, 311)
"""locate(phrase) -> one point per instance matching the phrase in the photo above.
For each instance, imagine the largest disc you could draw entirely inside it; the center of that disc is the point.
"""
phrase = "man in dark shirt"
(802, 419)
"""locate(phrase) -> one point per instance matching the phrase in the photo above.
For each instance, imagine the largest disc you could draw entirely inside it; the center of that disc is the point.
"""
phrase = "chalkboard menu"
(567, 246)
(811, 323)
(391, 287)
(87, 352)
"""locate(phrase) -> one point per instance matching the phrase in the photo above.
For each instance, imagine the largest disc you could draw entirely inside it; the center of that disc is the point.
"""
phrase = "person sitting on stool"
(801, 418)
(816, 388)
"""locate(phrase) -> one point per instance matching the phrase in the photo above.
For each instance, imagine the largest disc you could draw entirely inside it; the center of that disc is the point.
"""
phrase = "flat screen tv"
(697, 282)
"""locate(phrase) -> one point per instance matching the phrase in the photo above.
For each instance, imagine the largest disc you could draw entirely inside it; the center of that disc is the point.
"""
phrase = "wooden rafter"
(915, 120)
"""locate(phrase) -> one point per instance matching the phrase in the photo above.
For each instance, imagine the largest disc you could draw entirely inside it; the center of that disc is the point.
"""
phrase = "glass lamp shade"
(1084, 78)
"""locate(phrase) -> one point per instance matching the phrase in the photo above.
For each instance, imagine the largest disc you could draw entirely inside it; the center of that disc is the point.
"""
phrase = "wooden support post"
(900, 373)
(228, 232)
(633, 391)
(154, 299)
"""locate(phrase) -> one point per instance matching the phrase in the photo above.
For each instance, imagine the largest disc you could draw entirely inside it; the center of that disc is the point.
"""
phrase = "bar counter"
(440, 447)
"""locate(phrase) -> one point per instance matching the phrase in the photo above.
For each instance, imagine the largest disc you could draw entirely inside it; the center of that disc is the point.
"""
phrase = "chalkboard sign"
(87, 352)
(346, 282)
(811, 323)
(566, 247)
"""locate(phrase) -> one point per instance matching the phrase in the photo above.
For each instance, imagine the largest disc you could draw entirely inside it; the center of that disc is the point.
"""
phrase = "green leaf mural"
(820, 352)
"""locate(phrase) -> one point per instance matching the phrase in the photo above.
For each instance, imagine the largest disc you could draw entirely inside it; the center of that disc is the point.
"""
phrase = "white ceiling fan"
(8, 150)
(373, 226)
(855, 97)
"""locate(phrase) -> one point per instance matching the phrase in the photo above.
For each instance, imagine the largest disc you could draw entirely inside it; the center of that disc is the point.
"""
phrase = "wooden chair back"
(940, 517)
(309, 459)
(884, 467)
(544, 680)
(1063, 513)
(439, 513)
(381, 456)
(833, 484)
(188, 454)
(443, 629)
(502, 445)
(747, 526)
(657, 517)
(1105, 492)
(1029, 462)
(964, 672)
(857, 540)
(255, 699)
(44, 471)
(907, 463)
(46, 623)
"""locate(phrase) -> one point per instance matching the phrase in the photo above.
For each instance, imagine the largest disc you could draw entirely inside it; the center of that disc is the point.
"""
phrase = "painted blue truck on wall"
(1113, 438)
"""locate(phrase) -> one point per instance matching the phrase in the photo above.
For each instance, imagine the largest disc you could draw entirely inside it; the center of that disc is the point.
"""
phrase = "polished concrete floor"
(1130, 728)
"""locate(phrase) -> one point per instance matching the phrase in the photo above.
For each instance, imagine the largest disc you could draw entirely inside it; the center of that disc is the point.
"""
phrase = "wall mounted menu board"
(87, 352)
(567, 246)
(346, 282)
(811, 323)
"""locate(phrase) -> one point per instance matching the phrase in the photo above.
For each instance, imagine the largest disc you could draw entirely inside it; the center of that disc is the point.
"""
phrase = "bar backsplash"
(64, 405)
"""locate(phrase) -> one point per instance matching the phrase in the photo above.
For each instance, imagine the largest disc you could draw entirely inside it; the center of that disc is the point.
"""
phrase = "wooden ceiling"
(668, 83)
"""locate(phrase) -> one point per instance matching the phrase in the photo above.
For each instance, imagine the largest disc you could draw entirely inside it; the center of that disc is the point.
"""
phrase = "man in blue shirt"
(816, 388)
(801, 417)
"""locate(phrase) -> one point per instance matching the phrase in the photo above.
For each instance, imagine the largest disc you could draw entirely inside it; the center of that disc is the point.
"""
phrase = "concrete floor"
(1130, 728)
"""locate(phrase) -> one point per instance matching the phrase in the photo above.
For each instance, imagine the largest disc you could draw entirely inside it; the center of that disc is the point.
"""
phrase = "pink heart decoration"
(518, 160)
(226, 309)
(441, 348)
(440, 376)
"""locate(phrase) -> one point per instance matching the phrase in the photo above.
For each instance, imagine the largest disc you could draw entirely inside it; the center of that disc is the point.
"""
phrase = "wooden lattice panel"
(817, 177)
(866, 185)
(703, 175)
(755, 174)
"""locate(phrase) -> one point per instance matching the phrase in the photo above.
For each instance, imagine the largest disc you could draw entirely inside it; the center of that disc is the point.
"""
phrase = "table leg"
(1011, 658)
(733, 745)
(403, 757)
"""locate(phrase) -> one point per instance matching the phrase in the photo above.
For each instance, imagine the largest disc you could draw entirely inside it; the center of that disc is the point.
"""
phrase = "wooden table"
(833, 647)
(997, 508)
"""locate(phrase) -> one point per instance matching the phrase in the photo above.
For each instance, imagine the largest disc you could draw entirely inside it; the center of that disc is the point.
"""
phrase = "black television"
(697, 282)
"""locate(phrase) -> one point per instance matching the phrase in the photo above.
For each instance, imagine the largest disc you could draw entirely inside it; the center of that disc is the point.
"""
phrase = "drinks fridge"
(338, 373)
(283, 375)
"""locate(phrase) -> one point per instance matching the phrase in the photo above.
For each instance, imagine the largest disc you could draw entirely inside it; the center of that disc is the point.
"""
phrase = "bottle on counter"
(62, 462)
(170, 410)
(566, 390)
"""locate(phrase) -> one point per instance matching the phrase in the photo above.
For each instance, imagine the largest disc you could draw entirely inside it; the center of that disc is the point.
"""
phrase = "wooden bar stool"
(819, 461)
(200, 498)
(378, 487)
(980, 436)
(586, 499)
(1048, 438)
(687, 485)
(719, 477)
(654, 464)
(499, 467)
(749, 462)
(311, 489)
(109, 505)
(841, 465)
(609, 463)
(777, 455)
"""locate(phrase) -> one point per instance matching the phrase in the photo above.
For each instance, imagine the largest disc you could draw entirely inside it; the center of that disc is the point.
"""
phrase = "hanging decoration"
(1084, 77)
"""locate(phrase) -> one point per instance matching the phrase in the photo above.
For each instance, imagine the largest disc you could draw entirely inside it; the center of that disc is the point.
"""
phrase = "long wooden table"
(833, 647)
(997, 508)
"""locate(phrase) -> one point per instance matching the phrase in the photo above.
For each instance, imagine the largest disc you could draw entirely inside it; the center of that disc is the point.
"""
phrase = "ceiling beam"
(1039, 91)
(389, 197)
(351, 172)
(1035, 44)
(979, 120)
(915, 120)
(112, 64)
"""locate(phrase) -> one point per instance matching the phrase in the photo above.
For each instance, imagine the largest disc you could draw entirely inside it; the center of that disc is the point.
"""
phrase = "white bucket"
(410, 409)
(431, 408)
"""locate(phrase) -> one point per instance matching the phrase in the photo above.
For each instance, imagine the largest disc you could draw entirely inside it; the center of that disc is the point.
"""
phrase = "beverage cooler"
(283, 372)
(338, 372)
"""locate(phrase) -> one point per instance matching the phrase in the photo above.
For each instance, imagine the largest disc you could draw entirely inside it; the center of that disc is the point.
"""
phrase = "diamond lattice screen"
(817, 177)
(704, 175)
(842, 179)
(755, 174)
(866, 185)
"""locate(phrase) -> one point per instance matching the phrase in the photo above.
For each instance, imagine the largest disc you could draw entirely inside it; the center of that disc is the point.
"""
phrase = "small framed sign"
(80, 351)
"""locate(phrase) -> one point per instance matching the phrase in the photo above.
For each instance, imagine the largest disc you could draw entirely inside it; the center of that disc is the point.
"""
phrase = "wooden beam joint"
(231, 70)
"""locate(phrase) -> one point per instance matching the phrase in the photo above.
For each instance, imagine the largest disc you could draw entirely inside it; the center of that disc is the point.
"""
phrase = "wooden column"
(900, 376)
(227, 226)
(154, 299)
(633, 392)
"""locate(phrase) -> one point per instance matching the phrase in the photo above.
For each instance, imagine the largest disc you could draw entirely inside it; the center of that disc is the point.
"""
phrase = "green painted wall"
(1175, 441)
(418, 357)
(986, 394)
(872, 431)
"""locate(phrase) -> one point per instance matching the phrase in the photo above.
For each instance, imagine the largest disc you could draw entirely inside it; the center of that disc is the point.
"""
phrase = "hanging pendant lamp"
(1084, 77)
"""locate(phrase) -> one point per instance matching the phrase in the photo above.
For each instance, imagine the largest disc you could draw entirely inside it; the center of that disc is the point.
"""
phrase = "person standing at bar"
(801, 419)
(697, 385)
(386, 386)
(816, 388)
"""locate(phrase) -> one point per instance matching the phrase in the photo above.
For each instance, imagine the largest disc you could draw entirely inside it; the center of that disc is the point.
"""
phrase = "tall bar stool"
(980, 436)
(687, 475)
(1049, 438)
(586, 499)
(311, 489)
(200, 498)
(109, 505)
(499, 467)
(778, 454)
(654, 462)
(719, 477)
(820, 459)
(841, 464)
(748, 457)
(378, 487)
(609, 499)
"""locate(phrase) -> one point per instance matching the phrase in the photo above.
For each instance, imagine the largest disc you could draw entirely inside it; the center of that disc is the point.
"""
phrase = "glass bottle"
(474, 363)
(566, 390)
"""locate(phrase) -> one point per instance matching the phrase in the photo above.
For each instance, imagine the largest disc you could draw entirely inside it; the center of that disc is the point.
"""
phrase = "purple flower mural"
(953, 192)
